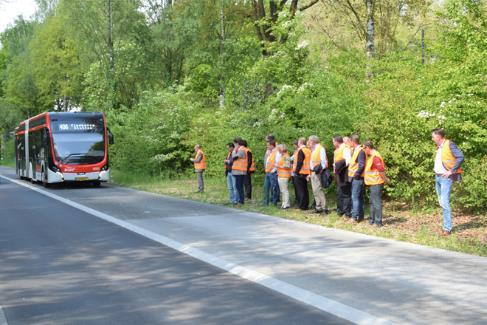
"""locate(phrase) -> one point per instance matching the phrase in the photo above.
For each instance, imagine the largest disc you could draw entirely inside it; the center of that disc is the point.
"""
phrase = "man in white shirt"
(447, 170)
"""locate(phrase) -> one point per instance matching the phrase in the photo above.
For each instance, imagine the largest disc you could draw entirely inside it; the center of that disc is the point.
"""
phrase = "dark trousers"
(248, 185)
(295, 190)
(239, 185)
(358, 199)
(344, 200)
(375, 192)
(302, 192)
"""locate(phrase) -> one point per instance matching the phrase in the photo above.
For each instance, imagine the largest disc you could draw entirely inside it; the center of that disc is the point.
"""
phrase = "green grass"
(400, 224)
(8, 163)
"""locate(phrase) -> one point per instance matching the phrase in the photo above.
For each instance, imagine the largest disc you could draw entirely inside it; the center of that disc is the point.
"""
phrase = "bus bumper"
(58, 177)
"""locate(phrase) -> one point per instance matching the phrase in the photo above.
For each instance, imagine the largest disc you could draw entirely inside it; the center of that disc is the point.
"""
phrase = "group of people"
(355, 166)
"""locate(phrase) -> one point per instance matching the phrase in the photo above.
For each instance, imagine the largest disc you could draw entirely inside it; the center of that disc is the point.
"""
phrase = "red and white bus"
(61, 147)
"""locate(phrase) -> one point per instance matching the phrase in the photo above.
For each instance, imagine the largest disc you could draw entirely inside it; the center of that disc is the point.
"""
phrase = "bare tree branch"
(309, 5)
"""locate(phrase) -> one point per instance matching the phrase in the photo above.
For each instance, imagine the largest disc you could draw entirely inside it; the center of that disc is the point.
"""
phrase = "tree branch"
(309, 5)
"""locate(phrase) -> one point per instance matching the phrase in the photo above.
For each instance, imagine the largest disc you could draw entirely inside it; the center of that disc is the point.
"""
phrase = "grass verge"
(469, 236)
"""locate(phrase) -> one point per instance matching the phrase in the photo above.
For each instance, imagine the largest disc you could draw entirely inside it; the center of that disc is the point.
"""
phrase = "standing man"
(239, 169)
(341, 159)
(356, 177)
(447, 170)
(271, 159)
(283, 175)
(374, 178)
(301, 171)
(199, 162)
(250, 171)
(318, 164)
(294, 160)
(232, 195)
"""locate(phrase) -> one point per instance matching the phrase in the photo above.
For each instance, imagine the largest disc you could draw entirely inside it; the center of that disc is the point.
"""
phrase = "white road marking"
(3, 319)
(321, 302)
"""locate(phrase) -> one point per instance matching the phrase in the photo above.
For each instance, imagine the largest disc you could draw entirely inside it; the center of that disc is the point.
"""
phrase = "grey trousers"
(318, 193)
(375, 192)
(199, 176)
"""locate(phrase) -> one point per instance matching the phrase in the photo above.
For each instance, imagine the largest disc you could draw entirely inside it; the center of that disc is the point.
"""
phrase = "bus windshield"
(78, 139)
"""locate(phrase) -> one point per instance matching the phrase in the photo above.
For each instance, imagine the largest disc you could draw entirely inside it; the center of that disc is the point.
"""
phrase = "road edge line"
(3, 318)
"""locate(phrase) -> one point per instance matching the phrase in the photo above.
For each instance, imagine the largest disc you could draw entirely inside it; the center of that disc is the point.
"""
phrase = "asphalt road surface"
(59, 265)
(75, 254)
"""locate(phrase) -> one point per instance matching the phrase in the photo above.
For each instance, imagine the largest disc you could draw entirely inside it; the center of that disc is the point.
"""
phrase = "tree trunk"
(222, 52)
(369, 46)
(111, 59)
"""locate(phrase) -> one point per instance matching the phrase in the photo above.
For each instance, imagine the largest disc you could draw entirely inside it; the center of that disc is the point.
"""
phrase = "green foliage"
(407, 100)
(294, 78)
(148, 138)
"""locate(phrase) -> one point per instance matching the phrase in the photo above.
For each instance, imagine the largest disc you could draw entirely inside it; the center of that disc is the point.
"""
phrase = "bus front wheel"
(44, 179)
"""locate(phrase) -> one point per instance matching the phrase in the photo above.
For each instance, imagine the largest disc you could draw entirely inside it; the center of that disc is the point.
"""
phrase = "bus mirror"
(111, 139)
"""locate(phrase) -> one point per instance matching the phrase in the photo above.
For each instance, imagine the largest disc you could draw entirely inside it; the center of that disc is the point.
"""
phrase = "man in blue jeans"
(271, 159)
(356, 170)
(447, 169)
(232, 195)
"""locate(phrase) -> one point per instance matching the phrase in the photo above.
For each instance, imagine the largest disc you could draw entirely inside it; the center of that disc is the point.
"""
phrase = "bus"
(56, 147)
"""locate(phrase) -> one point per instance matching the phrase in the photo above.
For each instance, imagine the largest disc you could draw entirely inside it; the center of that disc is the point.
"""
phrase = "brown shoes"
(445, 233)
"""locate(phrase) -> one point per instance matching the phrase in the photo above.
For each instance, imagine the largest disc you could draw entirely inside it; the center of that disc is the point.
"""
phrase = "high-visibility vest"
(307, 157)
(338, 153)
(271, 161)
(252, 165)
(202, 164)
(372, 176)
(284, 167)
(447, 157)
(315, 156)
(240, 163)
(353, 167)
(295, 159)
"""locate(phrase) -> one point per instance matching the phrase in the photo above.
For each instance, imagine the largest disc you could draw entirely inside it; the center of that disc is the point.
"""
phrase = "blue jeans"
(239, 186)
(443, 189)
(358, 199)
(271, 184)
(375, 192)
(232, 195)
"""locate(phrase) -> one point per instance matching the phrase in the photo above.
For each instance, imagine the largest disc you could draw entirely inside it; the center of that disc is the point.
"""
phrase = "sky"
(10, 9)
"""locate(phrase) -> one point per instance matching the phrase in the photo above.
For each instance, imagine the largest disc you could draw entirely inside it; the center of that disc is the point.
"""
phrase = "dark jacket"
(341, 173)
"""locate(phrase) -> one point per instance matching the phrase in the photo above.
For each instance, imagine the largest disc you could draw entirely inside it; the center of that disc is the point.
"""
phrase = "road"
(158, 260)
(60, 265)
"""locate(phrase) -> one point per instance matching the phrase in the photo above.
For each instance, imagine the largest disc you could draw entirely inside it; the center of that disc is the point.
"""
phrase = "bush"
(148, 138)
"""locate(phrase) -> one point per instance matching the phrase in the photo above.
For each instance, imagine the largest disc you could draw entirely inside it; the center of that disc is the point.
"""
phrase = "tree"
(266, 15)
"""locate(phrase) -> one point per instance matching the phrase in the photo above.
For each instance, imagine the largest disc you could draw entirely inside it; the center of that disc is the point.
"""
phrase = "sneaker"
(379, 224)
(445, 233)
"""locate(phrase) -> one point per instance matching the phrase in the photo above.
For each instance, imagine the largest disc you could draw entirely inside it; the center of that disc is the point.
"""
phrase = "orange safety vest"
(353, 167)
(202, 164)
(252, 165)
(307, 157)
(271, 161)
(447, 157)
(295, 159)
(372, 176)
(315, 156)
(284, 167)
(338, 153)
(240, 163)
